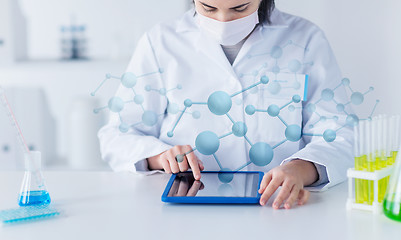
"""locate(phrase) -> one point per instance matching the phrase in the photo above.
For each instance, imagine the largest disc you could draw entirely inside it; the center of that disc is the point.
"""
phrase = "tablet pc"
(214, 187)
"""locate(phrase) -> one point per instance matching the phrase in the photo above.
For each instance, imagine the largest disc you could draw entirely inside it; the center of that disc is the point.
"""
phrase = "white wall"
(366, 38)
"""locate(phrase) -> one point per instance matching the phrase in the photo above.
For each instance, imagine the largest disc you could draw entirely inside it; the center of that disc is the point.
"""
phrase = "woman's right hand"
(169, 163)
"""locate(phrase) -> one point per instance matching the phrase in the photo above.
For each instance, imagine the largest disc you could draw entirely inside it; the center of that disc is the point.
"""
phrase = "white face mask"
(229, 33)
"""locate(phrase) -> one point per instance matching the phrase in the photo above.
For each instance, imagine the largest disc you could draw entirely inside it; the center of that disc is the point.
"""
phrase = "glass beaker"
(33, 188)
(392, 200)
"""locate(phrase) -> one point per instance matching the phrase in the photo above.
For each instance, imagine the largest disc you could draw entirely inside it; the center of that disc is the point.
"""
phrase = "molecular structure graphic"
(207, 142)
(162, 91)
(328, 95)
(275, 79)
(261, 153)
(276, 53)
(276, 82)
(116, 104)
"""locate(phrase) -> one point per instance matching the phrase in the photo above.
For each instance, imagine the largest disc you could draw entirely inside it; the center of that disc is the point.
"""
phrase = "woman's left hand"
(292, 176)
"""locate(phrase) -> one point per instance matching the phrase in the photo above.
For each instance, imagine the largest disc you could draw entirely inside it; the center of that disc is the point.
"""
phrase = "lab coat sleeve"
(127, 151)
(332, 159)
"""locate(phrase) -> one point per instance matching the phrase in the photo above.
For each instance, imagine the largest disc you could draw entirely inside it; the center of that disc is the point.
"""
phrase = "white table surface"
(107, 205)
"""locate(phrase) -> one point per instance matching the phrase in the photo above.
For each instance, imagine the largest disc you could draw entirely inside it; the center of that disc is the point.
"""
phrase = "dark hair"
(265, 9)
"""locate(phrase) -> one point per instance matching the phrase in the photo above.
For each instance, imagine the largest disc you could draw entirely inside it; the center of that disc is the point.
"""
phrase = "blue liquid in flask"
(33, 188)
(34, 198)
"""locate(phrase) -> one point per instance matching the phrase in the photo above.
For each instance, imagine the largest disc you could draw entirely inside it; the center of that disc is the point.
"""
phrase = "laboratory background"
(54, 54)
(49, 79)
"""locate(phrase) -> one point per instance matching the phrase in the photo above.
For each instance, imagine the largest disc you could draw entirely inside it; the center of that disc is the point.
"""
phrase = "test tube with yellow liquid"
(371, 160)
(375, 146)
(358, 166)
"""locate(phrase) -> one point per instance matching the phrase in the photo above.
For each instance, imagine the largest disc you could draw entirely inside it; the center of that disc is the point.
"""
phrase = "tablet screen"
(242, 185)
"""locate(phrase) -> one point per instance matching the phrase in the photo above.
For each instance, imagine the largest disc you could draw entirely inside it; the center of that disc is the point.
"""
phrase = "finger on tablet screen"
(194, 164)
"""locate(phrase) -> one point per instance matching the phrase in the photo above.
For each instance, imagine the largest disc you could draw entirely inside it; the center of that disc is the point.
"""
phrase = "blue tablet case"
(212, 199)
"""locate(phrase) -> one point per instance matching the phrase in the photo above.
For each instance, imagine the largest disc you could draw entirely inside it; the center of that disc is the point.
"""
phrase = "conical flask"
(33, 188)
(392, 200)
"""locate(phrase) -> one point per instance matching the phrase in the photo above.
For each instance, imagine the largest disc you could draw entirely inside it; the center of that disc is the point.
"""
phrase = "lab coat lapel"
(214, 52)
(253, 40)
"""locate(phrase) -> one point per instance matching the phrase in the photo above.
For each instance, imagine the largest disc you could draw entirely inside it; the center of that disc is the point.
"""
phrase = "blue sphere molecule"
(128, 80)
(116, 104)
(276, 69)
(162, 91)
(173, 108)
(323, 119)
(293, 133)
(207, 143)
(179, 86)
(352, 120)
(239, 101)
(148, 88)
(274, 88)
(149, 118)
(327, 95)
(340, 107)
(250, 110)
(276, 52)
(273, 110)
(188, 103)
(357, 98)
(170, 134)
(138, 99)
(345, 81)
(261, 154)
(225, 189)
(225, 177)
(264, 79)
(335, 118)
(291, 108)
(196, 115)
(123, 127)
(239, 129)
(311, 107)
(219, 103)
(296, 98)
(329, 135)
(294, 65)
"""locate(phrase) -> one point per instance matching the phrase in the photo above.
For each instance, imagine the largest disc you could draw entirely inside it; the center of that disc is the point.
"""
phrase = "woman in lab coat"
(214, 72)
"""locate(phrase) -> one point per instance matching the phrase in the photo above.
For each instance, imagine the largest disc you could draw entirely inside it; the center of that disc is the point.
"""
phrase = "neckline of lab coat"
(214, 51)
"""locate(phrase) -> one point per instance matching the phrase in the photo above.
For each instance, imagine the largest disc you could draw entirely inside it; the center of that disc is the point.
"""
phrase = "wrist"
(154, 163)
(308, 171)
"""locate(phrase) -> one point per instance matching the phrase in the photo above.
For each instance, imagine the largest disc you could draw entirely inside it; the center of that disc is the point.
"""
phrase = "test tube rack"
(356, 175)
(376, 143)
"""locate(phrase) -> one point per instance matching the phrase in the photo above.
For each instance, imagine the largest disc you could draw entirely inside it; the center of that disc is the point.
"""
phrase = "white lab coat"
(191, 59)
